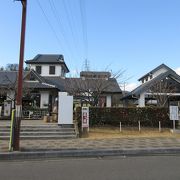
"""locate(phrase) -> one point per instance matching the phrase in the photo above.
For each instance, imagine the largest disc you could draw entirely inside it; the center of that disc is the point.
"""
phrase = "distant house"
(160, 87)
(47, 76)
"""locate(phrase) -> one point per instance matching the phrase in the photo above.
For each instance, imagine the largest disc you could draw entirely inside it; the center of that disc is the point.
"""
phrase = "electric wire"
(58, 19)
(70, 24)
(51, 26)
(84, 27)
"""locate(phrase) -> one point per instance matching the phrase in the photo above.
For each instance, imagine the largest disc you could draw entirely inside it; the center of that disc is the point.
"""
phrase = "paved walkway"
(138, 143)
(117, 143)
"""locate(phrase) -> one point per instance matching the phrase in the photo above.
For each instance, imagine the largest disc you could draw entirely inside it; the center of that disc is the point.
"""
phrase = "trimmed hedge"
(149, 116)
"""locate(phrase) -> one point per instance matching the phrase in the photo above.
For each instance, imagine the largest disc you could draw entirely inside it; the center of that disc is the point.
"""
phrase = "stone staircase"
(45, 131)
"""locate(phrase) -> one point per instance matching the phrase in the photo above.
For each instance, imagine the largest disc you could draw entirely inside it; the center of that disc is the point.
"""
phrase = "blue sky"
(133, 35)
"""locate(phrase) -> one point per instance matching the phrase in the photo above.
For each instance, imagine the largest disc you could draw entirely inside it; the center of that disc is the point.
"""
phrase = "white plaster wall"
(44, 99)
(45, 69)
(108, 101)
(32, 66)
(141, 100)
(11, 96)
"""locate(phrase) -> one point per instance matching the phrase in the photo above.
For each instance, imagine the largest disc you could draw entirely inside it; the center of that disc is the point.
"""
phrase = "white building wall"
(44, 99)
(141, 100)
(11, 96)
(108, 101)
(45, 69)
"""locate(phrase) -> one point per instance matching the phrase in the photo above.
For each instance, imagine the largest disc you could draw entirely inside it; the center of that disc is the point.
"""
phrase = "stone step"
(40, 133)
(43, 126)
(40, 130)
(42, 137)
(45, 131)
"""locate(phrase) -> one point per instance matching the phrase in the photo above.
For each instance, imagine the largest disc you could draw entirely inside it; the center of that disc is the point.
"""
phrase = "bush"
(149, 116)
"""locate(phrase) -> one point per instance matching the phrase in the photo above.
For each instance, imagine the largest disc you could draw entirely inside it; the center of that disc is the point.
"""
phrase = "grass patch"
(133, 132)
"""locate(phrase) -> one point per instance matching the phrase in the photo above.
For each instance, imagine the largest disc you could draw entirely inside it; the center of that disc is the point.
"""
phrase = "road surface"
(108, 168)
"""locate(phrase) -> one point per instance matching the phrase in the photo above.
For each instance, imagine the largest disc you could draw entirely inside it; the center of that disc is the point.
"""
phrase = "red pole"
(20, 79)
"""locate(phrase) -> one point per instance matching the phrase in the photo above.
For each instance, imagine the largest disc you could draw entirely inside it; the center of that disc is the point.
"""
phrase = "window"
(51, 69)
(38, 69)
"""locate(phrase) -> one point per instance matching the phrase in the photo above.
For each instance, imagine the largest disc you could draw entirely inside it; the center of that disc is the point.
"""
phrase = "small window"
(51, 69)
(38, 69)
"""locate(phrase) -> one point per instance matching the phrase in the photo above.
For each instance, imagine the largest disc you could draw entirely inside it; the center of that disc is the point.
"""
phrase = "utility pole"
(20, 79)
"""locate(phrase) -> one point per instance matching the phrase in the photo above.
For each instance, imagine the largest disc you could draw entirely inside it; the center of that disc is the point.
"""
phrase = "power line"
(84, 26)
(58, 19)
(70, 23)
(50, 25)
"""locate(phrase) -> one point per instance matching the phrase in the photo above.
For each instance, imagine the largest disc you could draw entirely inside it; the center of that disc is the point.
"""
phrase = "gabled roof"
(145, 86)
(48, 59)
(8, 79)
(154, 70)
(35, 75)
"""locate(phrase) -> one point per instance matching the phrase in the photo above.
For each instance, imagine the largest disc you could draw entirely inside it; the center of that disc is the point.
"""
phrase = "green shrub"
(149, 116)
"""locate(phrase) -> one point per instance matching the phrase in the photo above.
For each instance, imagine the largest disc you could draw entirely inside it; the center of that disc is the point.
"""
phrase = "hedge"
(149, 116)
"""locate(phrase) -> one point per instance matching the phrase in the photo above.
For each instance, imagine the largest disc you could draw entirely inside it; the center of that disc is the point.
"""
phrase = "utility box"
(65, 109)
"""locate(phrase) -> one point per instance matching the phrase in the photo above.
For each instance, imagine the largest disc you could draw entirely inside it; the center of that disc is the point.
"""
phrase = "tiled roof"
(65, 84)
(48, 59)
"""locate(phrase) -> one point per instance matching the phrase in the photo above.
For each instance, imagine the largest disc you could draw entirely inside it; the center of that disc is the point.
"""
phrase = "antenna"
(86, 65)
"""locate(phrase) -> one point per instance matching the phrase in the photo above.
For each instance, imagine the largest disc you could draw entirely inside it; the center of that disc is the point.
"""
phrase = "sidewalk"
(32, 149)
(84, 147)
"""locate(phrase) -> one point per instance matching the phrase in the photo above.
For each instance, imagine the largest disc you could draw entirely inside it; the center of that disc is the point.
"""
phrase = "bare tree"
(162, 90)
(12, 67)
(89, 89)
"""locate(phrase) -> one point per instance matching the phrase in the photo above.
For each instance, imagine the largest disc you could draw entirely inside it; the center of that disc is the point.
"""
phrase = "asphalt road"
(109, 168)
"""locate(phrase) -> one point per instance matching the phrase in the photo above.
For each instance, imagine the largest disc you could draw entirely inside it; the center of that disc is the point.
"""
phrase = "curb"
(85, 153)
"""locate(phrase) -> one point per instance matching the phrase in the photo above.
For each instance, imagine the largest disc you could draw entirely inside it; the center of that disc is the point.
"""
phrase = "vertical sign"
(7, 108)
(85, 117)
(174, 113)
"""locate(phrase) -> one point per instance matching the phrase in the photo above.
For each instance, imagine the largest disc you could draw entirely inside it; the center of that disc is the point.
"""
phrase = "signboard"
(85, 117)
(174, 113)
(7, 108)
(65, 109)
